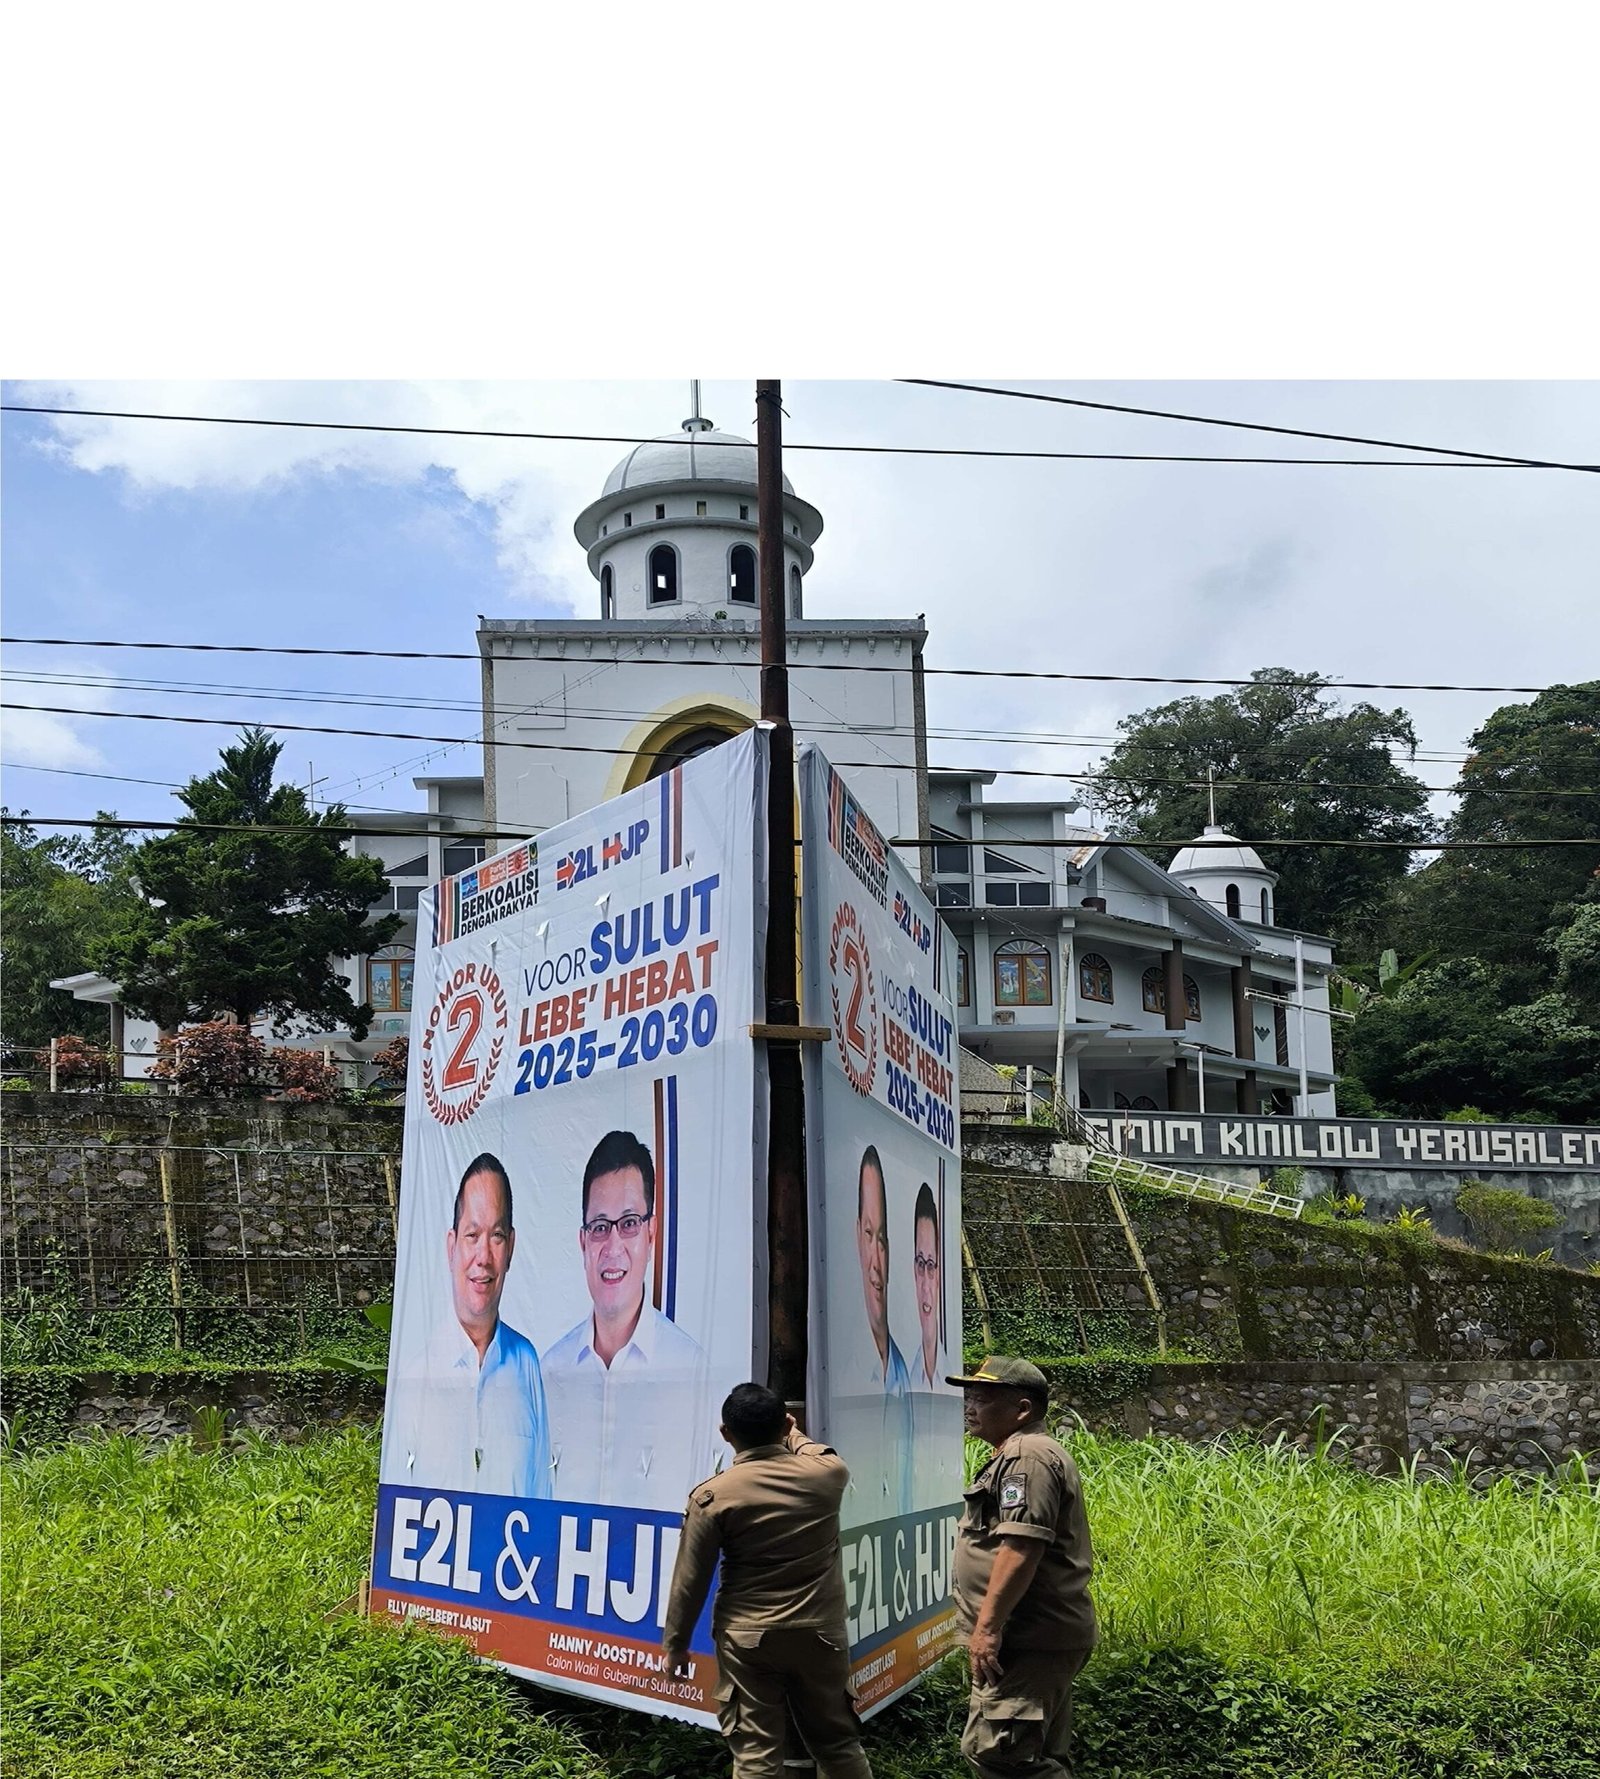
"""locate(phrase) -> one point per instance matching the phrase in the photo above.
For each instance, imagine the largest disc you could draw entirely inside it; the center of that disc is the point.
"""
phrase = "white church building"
(1154, 989)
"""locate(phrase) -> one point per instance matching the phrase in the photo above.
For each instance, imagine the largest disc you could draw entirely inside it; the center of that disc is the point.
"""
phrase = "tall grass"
(1267, 1553)
(1263, 1614)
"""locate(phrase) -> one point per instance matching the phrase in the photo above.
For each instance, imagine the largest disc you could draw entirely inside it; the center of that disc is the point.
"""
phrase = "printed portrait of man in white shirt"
(470, 1409)
(630, 1405)
(886, 1371)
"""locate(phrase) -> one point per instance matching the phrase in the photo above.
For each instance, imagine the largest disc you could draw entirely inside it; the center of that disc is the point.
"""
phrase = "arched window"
(608, 593)
(1191, 998)
(687, 747)
(963, 978)
(1121, 1103)
(794, 591)
(663, 575)
(1094, 978)
(1021, 974)
(389, 980)
(1144, 1103)
(1266, 919)
(1153, 991)
(742, 575)
(1233, 901)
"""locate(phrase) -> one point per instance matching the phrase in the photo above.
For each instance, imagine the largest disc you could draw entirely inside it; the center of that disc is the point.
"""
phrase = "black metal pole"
(788, 1253)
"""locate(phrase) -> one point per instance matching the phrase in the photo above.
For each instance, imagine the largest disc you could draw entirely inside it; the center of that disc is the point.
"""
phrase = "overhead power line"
(1008, 844)
(1474, 460)
(1503, 459)
(883, 765)
(1006, 673)
(173, 688)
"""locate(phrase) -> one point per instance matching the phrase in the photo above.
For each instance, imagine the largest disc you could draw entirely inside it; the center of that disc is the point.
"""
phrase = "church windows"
(794, 592)
(699, 509)
(661, 511)
(1094, 978)
(627, 518)
(742, 575)
(1022, 974)
(1265, 918)
(744, 512)
(389, 981)
(963, 979)
(1232, 894)
(1143, 1103)
(608, 593)
(663, 575)
(1153, 993)
(461, 857)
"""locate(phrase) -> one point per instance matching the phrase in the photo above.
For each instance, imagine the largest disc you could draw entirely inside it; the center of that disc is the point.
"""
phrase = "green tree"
(1449, 1038)
(58, 895)
(1533, 773)
(247, 923)
(1290, 764)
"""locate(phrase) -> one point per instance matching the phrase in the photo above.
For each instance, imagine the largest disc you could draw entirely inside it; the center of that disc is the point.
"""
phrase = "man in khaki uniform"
(1021, 1579)
(778, 1625)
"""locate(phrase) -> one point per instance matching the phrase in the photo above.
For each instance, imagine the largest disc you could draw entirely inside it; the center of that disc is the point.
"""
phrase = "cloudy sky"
(162, 531)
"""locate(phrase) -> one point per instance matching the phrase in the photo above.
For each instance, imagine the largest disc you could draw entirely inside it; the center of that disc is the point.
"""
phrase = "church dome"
(1227, 874)
(705, 455)
(1234, 856)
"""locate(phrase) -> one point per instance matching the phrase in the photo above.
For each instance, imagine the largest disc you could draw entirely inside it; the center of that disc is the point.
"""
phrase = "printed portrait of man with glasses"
(631, 1422)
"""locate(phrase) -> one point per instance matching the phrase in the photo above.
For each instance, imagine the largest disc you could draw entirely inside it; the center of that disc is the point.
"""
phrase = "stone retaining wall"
(1494, 1418)
(256, 1202)
(1239, 1284)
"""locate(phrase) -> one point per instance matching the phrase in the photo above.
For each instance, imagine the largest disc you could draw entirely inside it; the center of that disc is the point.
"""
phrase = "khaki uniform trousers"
(763, 1671)
(1022, 1727)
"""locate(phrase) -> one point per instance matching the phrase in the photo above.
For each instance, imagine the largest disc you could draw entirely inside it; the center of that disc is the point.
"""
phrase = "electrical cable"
(1006, 673)
(1468, 460)
(1293, 432)
(1074, 842)
(837, 725)
(1069, 774)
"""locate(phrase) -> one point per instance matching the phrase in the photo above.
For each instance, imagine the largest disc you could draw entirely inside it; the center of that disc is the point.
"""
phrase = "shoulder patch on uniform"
(1013, 1492)
(704, 1497)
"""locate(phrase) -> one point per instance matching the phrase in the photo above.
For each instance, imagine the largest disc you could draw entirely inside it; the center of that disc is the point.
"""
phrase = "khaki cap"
(1015, 1374)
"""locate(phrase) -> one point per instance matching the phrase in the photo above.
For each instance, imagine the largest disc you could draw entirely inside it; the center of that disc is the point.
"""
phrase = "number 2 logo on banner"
(466, 1001)
(855, 999)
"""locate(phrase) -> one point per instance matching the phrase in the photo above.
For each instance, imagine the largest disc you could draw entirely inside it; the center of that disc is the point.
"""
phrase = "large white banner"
(884, 1170)
(585, 1134)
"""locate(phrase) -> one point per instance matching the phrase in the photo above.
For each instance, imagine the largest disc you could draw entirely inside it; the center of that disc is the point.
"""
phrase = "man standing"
(629, 1401)
(1021, 1579)
(772, 1519)
(888, 1377)
(472, 1414)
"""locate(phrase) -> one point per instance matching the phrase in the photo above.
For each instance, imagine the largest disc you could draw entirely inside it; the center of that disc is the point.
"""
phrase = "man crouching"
(778, 1626)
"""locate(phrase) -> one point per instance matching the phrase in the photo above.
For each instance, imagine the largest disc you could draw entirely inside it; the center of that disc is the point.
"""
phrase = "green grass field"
(1263, 1615)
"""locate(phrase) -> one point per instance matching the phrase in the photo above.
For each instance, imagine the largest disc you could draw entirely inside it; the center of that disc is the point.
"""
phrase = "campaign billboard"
(884, 1174)
(584, 1146)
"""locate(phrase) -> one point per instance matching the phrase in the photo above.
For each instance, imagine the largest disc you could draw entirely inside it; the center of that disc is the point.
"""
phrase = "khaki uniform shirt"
(773, 1519)
(1029, 1489)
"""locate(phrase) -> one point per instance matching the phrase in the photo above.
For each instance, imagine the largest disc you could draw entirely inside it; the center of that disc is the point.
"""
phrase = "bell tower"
(673, 534)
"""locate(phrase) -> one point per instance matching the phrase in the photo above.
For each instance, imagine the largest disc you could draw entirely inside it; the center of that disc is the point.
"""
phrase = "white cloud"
(530, 489)
(35, 738)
